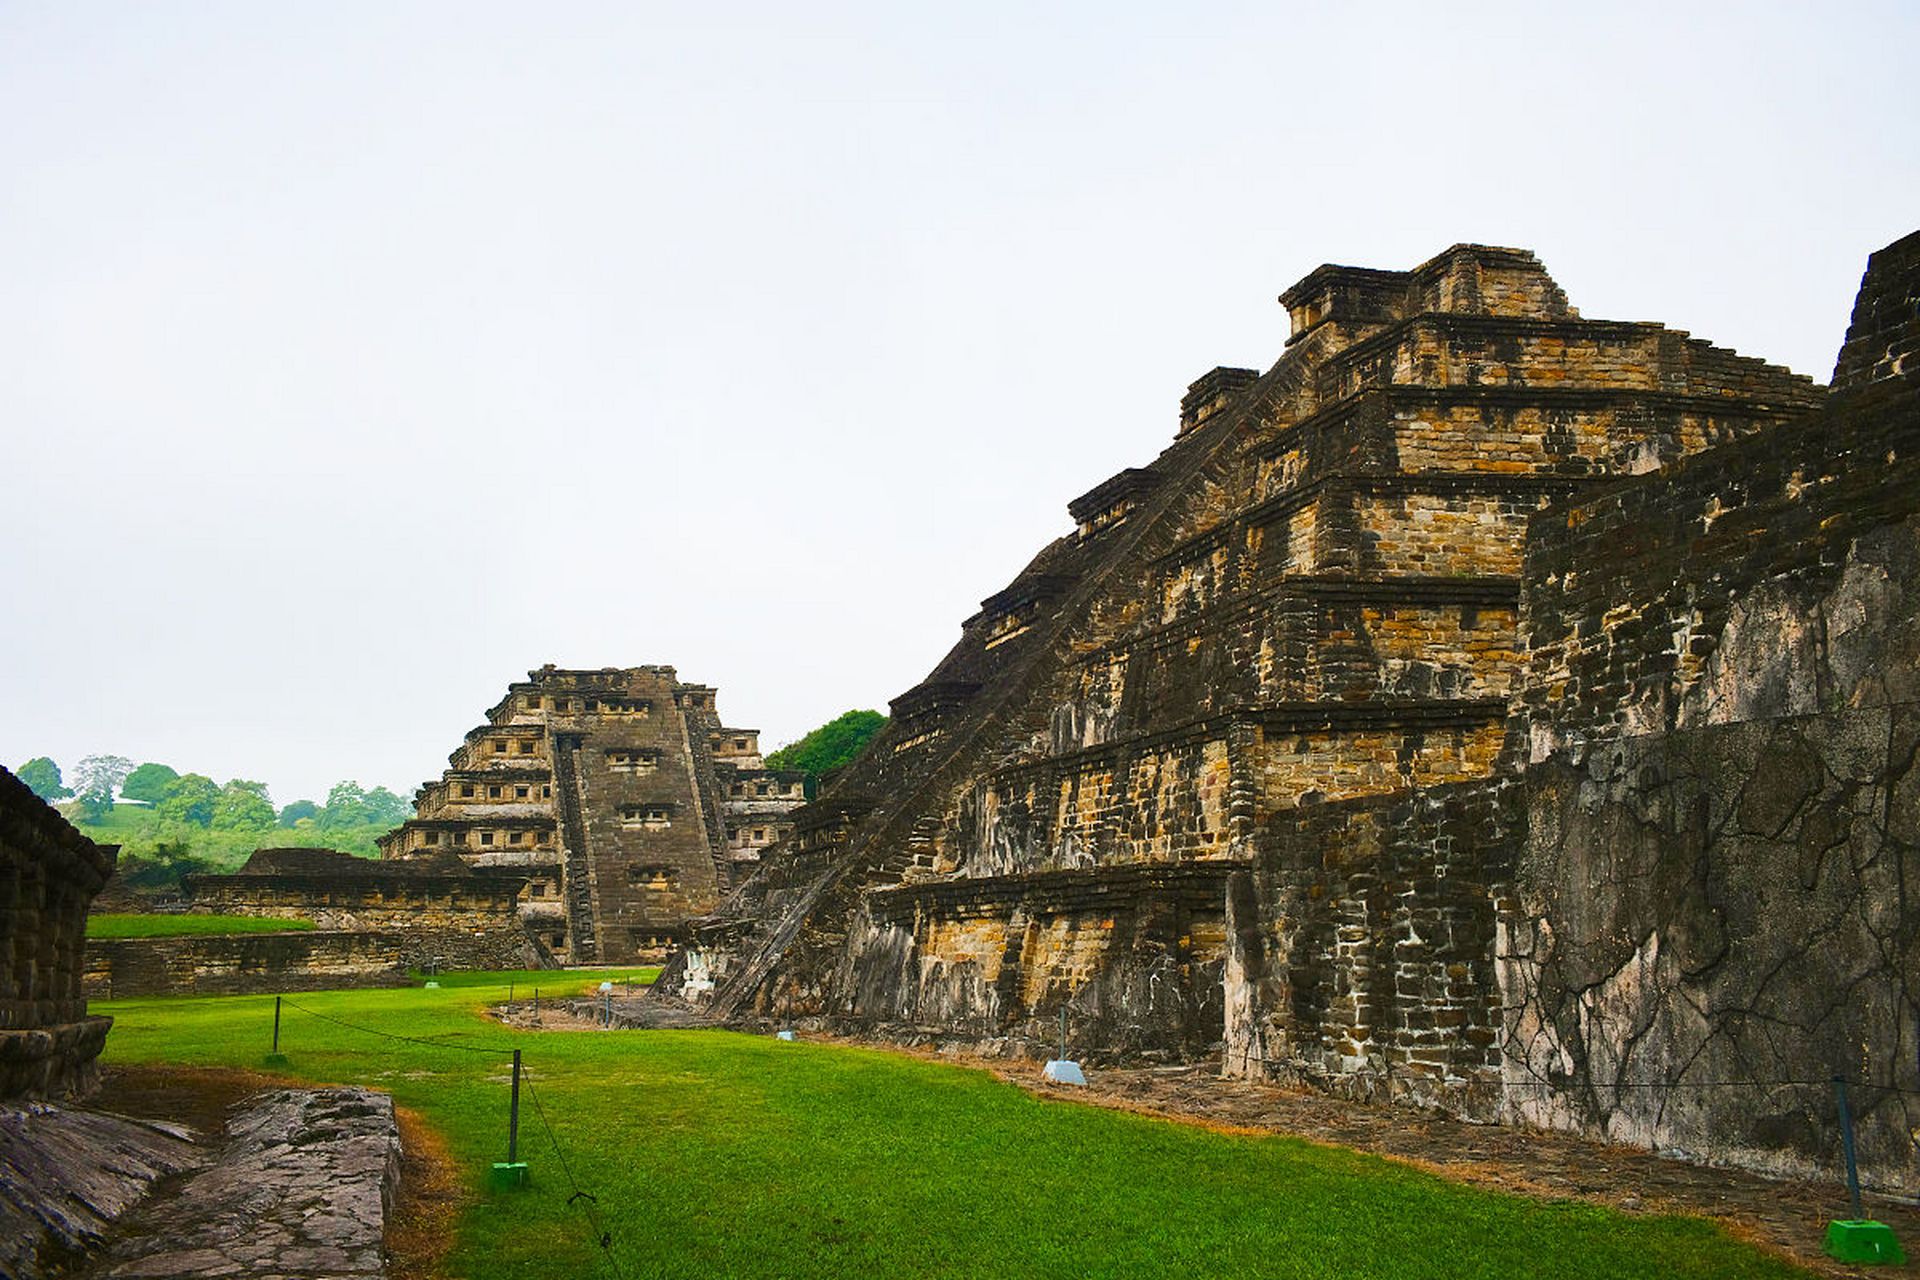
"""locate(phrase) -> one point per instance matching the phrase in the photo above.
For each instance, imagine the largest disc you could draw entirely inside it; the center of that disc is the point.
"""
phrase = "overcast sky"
(355, 358)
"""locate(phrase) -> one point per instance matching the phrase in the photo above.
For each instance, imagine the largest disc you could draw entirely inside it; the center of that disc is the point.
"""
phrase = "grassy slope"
(714, 1153)
(115, 925)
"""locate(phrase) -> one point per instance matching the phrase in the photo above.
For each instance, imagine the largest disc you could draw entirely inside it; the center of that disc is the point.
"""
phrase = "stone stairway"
(578, 888)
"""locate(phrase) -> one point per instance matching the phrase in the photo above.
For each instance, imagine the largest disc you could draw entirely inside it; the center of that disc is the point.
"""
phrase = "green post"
(511, 1174)
(1859, 1238)
(276, 1058)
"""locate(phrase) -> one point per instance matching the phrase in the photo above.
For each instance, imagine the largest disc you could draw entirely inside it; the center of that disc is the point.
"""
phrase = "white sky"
(355, 358)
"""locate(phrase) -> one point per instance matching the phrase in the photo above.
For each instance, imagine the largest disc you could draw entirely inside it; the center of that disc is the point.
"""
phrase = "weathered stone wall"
(246, 963)
(1711, 913)
(367, 899)
(1361, 947)
(1132, 955)
(49, 873)
(1706, 925)
(1780, 577)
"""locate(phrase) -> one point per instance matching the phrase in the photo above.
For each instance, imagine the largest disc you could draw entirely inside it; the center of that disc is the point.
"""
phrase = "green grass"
(133, 925)
(719, 1154)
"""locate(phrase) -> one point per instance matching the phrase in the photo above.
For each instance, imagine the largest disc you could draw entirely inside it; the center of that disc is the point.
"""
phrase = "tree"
(299, 810)
(42, 777)
(96, 778)
(346, 807)
(189, 800)
(148, 783)
(835, 743)
(385, 809)
(242, 805)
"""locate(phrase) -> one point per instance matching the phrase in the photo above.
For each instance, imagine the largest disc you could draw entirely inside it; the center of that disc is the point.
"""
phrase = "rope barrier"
(580, 1195)
(588, 1202)
(388, 1035)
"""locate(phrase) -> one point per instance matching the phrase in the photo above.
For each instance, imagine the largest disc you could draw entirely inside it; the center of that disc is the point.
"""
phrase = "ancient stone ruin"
(619, 796)
(49, 873)
(1483, 707)
(374, 920)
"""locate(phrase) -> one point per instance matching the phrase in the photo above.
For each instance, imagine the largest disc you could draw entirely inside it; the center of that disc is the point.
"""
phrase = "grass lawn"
(134, 925)
(719, 1154)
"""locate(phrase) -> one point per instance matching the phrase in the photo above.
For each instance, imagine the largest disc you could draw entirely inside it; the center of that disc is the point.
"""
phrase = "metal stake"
(1846, 1138)
(276, 1024)
(513, 1114)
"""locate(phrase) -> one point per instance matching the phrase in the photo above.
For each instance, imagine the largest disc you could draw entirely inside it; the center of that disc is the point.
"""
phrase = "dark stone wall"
(49, 874)
(1710, 914)
(1779, 576)
(1883, 341)
(1706, 925)
(1361, 947)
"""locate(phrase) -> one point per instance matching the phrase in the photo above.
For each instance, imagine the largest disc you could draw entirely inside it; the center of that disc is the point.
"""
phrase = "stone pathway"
(299, 1191)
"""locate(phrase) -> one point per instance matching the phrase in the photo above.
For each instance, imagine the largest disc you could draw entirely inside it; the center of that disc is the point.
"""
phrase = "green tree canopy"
(383, 808)
(833, 744)
(96, 779)
(42, 777)
(189, 800)
(350, 805)
(148, 782)
(293, 813)
(243, 805)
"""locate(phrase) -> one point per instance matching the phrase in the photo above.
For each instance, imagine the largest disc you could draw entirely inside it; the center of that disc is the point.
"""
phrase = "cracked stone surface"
(1724, 905)
(67, 1173)
(300, 1191)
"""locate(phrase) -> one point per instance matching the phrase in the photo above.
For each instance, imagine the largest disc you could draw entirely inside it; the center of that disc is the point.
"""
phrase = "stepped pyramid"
(619, 790)
(1310, 596)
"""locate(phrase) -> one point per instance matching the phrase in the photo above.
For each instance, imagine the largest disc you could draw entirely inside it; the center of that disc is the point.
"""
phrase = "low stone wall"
(68, 1174)
(302, 1186)
(366, 899)
(246, 963)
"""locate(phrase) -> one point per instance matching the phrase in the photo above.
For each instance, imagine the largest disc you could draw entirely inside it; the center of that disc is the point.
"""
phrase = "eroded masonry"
(1484, 706)
(49, 873)
(619, 797)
